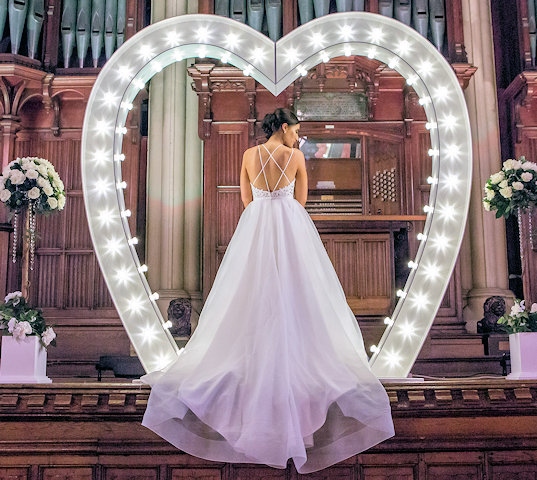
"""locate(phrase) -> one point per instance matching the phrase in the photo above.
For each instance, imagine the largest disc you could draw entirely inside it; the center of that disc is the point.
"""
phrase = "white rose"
(48, 190)
(32, 174)
(497, 178)
(503, 184)
(28, 166)
(34, 193)
(5, 195)
(11, 324)
(490, 194)
(17, 177)
(43, 182)
(486, 206)
(21, 330)
(15, 296)
(526, 176)
(509, 164)
(42, 170)
(48, 336)
(52, 202)
(61, 202)
(518, 185)
(518, 307)
(506, 192)
(533, 308)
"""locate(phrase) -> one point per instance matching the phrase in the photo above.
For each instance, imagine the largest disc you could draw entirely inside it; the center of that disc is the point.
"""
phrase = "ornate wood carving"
(464, 73)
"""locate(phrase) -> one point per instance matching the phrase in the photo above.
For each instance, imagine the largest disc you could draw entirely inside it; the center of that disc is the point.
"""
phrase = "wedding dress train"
(276, 368)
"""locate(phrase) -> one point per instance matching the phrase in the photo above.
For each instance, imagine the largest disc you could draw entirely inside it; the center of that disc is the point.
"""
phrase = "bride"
(276, 368)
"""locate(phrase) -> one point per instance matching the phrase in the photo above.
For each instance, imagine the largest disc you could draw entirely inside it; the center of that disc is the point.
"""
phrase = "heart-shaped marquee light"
(276, 66)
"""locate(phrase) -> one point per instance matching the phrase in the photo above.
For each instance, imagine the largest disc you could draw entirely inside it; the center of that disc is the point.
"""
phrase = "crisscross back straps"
(265, 163)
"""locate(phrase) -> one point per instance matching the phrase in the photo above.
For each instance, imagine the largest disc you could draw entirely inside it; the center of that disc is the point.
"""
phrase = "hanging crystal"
(31, 227)
(15, 235)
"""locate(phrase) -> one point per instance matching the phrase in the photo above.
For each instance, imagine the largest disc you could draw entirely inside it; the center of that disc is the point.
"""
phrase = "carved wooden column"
(483, 253)
(174, 179)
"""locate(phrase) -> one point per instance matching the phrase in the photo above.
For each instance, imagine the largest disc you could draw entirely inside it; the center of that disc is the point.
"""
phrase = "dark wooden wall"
(516, 77)
(42, 110)
(371, 250)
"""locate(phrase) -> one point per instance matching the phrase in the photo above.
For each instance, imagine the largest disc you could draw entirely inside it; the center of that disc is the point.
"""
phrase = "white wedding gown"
(276, 368)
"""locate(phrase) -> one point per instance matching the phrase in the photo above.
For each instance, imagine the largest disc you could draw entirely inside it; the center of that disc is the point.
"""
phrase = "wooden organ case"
(366, 144)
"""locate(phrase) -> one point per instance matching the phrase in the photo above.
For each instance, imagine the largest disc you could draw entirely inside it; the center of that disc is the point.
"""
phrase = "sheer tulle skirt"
(276, 368)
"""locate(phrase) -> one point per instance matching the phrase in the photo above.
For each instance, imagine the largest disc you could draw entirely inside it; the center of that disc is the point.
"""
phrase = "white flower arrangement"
(32, 181)
(22, 320)
(520, 319)
(511, 189)
(30, 184)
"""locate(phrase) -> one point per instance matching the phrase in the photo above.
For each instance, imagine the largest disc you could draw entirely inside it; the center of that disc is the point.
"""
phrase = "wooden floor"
(456, 429)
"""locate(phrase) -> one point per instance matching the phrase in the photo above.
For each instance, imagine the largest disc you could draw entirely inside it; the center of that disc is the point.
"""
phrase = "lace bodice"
(287, 191)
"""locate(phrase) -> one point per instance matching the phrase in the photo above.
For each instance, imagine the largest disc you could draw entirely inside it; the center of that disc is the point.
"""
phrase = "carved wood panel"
(131, 473)
(400, 467)
(14, 473)
(70, 472)
(246, 472)
(364, 264)
(221, 199)
(451, 466)
(195, 474)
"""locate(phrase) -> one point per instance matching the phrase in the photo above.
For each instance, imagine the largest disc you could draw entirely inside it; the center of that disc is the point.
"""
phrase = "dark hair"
(273, 121)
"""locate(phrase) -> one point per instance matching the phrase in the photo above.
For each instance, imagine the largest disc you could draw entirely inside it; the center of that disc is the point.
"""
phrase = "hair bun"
(273, 121)
(268, 124)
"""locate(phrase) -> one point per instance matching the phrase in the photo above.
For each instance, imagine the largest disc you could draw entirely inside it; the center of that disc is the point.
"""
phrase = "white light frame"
(276, 66)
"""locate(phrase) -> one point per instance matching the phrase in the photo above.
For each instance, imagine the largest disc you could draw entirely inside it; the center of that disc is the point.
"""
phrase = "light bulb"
(411, 80)
(424, 100)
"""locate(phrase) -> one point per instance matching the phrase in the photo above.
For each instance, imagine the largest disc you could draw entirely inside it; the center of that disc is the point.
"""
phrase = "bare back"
(273, 166)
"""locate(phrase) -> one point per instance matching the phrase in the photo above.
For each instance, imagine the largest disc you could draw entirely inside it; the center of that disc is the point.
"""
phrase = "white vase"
(523, 349)
(23, 361)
